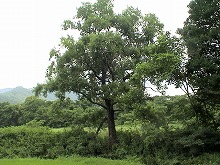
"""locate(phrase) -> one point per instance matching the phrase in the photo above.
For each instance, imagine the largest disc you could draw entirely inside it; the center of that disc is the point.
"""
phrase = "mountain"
(15, 95)
(19, 94)
(5, 90)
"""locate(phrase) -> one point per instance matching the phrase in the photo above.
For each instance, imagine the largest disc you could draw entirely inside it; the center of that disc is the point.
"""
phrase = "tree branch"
(152, 89)
(101, 124)
(93, 102)
(111, 72)
(95, 73)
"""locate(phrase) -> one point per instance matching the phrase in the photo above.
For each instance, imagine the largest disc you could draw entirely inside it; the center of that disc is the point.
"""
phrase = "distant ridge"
(19, 94)
(5, 90)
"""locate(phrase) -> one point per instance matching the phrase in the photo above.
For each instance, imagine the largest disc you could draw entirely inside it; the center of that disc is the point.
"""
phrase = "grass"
(76, 160)
(60, 129)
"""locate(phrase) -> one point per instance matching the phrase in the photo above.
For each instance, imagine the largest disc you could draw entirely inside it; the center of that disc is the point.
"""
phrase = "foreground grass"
(204, 159)
(66, 161)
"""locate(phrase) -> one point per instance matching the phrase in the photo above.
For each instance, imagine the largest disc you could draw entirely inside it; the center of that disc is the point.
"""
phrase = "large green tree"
(100, 64)
(201, 34)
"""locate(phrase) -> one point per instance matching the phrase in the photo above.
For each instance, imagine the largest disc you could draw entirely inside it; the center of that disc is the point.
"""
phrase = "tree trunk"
(111, 123)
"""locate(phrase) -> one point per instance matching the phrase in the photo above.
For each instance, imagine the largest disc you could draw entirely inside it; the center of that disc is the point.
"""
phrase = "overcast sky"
(29, 29)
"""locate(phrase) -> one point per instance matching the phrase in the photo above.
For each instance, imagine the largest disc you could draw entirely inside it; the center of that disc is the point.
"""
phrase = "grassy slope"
(67, 161)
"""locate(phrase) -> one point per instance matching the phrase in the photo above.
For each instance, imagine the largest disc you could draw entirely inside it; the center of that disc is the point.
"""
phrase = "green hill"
(19, 94)
(15, 95)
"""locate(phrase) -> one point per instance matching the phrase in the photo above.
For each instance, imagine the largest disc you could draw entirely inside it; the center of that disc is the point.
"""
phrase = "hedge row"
(43, 142)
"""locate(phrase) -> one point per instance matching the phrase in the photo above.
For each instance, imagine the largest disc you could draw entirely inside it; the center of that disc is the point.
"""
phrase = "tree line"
(160, 111)
(163, 128)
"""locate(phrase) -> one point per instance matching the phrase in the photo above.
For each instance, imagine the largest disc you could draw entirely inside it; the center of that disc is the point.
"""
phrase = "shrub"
(187, 143)
(42, 142)
(80, 142)
(24, 141)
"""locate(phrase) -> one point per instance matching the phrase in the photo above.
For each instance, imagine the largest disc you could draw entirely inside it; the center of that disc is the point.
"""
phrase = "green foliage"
(67, 113)
(177, 110)
(130, 143)
(59, 114)
(35, 123)
(9, 115)
(56, 114)
(152, 146)
(78, 141)
(26, 141)
(201, 35)
(204, 159)
(186, 142)
(198, 72)
(162, 61)
(151, 113)
(32, 109)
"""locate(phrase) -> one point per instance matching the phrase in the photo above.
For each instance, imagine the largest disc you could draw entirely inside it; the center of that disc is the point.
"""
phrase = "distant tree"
(101, 64)
(10, 115)
(60, 113)
(33, 108)
(201, 34)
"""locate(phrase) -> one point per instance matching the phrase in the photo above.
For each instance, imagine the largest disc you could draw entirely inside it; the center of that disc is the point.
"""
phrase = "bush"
(24, 141)
(187, 143)
(42, 142)
(159, 148)
(80, 142)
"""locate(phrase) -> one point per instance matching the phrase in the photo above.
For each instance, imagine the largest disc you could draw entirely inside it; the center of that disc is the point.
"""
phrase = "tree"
(10, 114)
(100, 64)
(59, 114)
(33, 108)
(201, 34)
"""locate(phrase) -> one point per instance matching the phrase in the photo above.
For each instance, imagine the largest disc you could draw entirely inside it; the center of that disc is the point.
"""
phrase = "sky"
(29, 29)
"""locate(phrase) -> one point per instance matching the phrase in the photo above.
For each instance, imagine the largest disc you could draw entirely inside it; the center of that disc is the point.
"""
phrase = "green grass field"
(66, 161)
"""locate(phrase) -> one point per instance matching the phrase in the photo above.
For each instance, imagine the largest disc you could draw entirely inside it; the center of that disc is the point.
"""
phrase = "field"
(66, 161)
